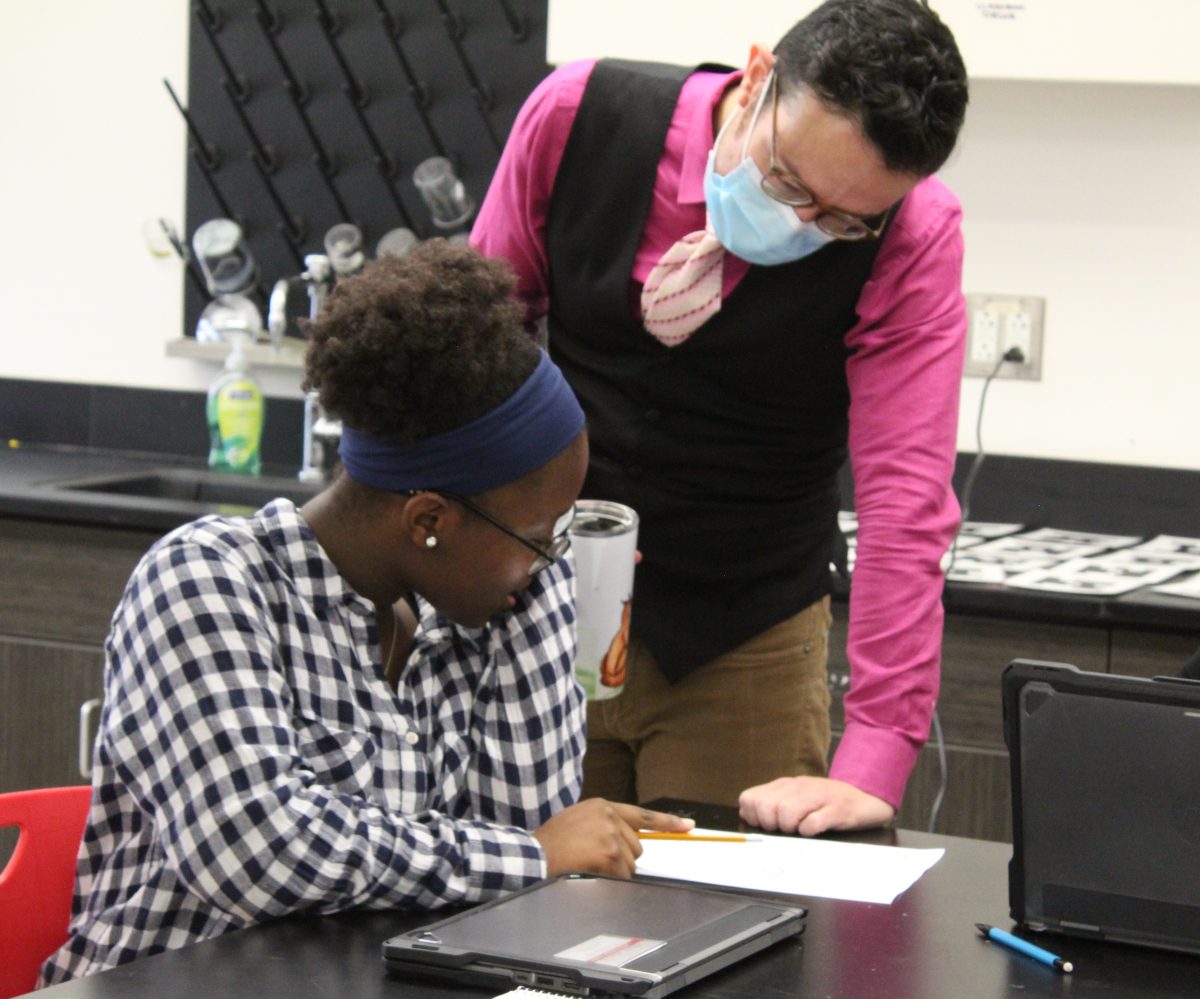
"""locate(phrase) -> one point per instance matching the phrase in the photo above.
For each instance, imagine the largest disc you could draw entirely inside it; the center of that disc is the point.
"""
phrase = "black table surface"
(922, 946)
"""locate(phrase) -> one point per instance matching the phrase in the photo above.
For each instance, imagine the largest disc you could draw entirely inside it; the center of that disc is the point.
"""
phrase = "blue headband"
(520, 435)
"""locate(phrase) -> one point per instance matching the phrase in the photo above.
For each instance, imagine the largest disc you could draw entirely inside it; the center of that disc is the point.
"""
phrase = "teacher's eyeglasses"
(547, 556)
(782, 186)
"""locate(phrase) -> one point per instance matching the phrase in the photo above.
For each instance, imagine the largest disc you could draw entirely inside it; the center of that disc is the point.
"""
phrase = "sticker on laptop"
(610, 950)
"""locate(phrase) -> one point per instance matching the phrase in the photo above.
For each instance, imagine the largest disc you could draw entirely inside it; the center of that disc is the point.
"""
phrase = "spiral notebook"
(1106, 804)
(580, 934)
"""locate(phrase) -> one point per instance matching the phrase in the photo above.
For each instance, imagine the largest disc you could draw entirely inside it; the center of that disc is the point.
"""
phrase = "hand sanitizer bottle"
(235, 415)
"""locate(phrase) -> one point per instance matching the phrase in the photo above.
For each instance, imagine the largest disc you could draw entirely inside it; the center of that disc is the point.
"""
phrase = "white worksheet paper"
(1189, 586)
(793, 865)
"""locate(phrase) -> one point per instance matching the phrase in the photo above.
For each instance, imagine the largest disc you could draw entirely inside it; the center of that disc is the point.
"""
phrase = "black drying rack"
(305, 113)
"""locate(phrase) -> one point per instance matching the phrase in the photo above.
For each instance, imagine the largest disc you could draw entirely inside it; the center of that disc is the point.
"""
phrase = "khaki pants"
(747, 717)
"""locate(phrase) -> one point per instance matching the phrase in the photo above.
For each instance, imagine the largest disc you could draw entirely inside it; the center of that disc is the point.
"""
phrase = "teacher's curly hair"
(892, 65)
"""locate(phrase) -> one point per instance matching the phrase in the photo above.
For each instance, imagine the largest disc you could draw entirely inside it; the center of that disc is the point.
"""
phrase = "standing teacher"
(747, 277)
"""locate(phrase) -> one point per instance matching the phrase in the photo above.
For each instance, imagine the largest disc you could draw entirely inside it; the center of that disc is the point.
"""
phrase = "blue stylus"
(1026, 948)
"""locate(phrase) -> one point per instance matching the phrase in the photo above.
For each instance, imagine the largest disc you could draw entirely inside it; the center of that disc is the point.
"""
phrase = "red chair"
(37, 884)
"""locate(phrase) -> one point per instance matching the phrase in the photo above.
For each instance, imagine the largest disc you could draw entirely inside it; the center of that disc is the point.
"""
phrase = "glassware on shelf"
(447, 199)
(227, 316)
(343, 245)
(225, 258)
(396, 242)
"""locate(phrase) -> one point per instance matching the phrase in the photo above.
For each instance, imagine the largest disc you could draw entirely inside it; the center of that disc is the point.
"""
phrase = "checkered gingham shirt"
(252, 761)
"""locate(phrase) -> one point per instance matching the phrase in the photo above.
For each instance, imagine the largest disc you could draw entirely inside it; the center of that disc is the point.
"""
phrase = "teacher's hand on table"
(812, 805)
(600, 836)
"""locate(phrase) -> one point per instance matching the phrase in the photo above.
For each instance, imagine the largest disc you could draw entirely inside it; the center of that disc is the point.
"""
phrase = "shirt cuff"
(501, 858)
(874, 760)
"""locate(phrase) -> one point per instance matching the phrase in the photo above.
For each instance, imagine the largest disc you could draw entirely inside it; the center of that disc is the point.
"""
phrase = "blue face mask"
(747, 221)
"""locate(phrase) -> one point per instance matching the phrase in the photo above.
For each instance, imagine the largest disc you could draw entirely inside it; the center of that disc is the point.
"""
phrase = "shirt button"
(411, 738)
(652, 416)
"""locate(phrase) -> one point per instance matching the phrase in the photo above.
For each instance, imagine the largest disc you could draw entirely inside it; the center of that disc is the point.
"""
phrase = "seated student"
(367, 701)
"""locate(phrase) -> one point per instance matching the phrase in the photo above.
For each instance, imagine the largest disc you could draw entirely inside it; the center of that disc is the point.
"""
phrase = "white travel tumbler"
(604, 540)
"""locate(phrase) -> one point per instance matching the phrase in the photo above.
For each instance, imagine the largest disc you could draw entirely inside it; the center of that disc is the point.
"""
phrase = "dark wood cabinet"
(59, 586)
(975, 650)
(1151, 653)
(976, 799)
(62, 581)
(42, 686)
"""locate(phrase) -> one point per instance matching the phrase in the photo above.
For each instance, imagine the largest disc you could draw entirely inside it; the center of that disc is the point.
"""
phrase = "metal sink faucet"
(321, 437)
(321, 433)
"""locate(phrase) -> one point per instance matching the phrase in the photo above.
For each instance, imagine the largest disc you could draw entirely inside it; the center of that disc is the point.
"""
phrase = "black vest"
(728, 446)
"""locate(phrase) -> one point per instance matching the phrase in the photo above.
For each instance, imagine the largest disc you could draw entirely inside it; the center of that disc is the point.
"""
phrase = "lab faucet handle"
(277, 312)
(318, 272)
(317, 268)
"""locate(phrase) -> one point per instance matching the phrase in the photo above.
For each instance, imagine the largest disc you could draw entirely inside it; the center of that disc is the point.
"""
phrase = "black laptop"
(1106, 804)
(591, 935)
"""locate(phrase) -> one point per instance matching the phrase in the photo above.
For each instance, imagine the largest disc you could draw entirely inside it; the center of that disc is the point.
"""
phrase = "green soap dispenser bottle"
(235, 415)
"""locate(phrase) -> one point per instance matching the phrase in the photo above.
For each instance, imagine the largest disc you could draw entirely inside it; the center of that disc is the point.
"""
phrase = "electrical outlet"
(984, 336)
(999, 323)
(1018, 333)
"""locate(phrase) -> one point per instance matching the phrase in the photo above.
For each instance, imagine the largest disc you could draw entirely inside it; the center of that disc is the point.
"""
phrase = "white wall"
(1080, 40)
(1084, 193)
(93, 148)
(1088, 195)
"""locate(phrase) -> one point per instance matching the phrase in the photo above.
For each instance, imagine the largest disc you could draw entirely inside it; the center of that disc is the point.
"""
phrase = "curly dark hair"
(417, 345)
(891, 64)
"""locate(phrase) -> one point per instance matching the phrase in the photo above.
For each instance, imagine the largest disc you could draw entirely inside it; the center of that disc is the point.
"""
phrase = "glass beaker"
(396, 242)
(343, 245)
(448, 201)
(225, 259)
(227, 316)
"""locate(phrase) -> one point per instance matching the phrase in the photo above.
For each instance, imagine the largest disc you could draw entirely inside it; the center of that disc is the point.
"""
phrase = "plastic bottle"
(235, 415)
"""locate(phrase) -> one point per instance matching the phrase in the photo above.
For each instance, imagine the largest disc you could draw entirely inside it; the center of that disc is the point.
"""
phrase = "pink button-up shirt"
(904, 373)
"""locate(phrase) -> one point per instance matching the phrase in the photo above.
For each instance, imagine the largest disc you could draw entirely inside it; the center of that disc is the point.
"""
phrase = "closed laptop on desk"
(1106, 804)
(598, 936)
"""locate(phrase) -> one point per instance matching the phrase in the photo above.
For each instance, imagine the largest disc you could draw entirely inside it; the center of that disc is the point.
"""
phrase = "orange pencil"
(701, 838)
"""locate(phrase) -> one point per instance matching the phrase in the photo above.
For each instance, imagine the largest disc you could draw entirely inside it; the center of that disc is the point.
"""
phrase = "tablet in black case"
(591, 935)
(1106, 804)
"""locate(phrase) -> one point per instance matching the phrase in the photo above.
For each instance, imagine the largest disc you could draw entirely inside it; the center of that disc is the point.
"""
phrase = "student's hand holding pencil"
(601, 836)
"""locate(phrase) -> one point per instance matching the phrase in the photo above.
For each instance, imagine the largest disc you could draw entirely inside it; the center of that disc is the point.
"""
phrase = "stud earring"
(431, 542)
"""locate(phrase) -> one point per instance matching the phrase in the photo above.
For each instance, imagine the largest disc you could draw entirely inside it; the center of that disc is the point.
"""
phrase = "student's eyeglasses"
(784, 187)
(546, 557)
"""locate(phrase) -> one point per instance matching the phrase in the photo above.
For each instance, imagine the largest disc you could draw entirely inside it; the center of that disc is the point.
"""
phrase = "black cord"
(1013, 355)
(944, 771)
